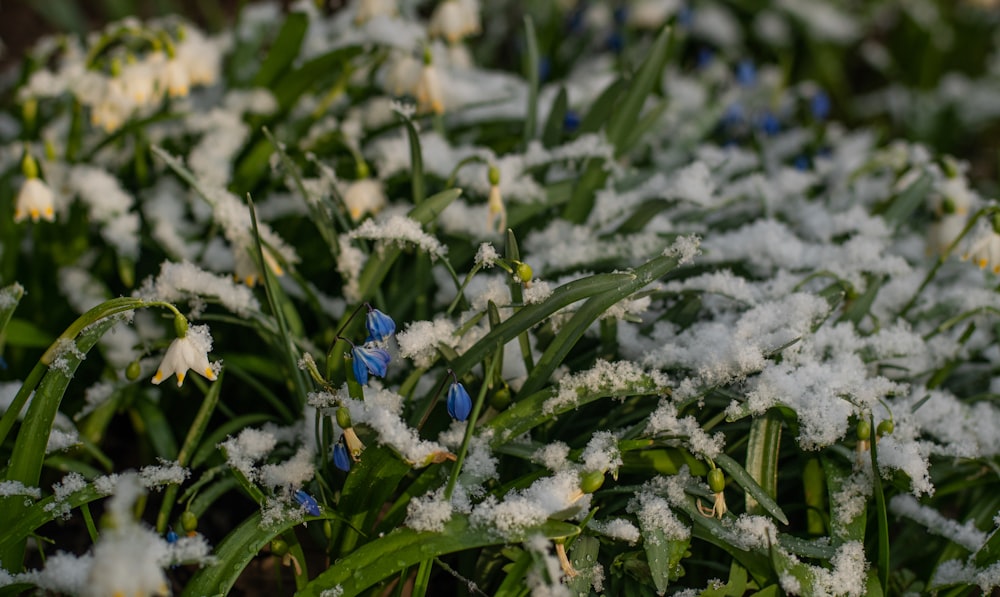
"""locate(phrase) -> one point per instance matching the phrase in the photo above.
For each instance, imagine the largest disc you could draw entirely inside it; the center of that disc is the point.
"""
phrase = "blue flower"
(571, 121)
(374, 361)
(746, 73)
(820, 105)
(380, 326)
(307, 502)
(769, 123)
(459, 402)
(171, 536)
(341, 459)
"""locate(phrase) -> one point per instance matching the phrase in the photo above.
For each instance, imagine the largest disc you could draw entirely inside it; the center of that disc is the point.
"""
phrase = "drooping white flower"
(188, 352)
(402, 74)
(364, 196)
(984, 249)
(429, 93)
(200, 57)
(175, 78)
(454, 20)
(369, 9)
(34, 200)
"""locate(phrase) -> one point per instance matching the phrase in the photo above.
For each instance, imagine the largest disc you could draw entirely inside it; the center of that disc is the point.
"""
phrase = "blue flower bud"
(380, 326)
(459, 402)
(341, 459)
(171, 536)
(769, 123)
(615, 42)
(571, 121)
(374, 361)
(307, 502)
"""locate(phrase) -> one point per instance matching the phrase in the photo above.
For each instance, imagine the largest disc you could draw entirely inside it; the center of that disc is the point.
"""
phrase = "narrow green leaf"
(10, 296)
(745, 480)
(882, 518)
(416, 161)
(555, 123)
(627, 111)
(26, 334)
(587, 314)
(763, 446)
(405, 547)
(903, 205)
(664, 557)
(531, 42)
(284, 50)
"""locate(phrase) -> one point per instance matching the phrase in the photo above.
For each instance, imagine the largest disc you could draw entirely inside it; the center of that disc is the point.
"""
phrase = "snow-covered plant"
(629, 313)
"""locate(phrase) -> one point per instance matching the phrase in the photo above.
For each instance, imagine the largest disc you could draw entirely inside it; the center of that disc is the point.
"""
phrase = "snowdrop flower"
(496, 213)
(454, 20)
(139, 80)
(188, 351)
(374, 361)
(199, 56)
(35, 199)
(985, 247)
(364, 196)
(379, 325)
(175, 78)
(459, 402)
(369, 9)
(429, 94)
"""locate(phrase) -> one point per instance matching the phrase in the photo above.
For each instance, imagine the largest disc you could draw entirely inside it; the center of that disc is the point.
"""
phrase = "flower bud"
(344, 418)
(523, 272)
(279, 547)
(592, 481)
(189, 521)
(500, 398)
(459, 402)
(716, 480)
(885, 427)
(864, 429)
(133, 371)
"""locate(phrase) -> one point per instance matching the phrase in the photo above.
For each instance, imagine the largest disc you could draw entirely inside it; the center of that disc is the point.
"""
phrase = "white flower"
(189, 352)
(175, 78)
(369, 9)
(364, 196)
(454, 20)
(245, 269)
(985, 250)
(139, 81)
(428, 92)
(651, 14)
(200, 57)
(402, 74)
(34, 200)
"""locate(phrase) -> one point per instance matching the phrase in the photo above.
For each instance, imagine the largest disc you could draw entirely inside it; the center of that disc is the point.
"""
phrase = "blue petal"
(306, 501)
(341, 459)
(360, 370)
(459, 402)
(380, 326)
(820, 105)
(375, 359)
(171, 536)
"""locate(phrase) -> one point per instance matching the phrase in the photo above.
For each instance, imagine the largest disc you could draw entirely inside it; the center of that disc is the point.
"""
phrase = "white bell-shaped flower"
(35, 201)
(188, 352)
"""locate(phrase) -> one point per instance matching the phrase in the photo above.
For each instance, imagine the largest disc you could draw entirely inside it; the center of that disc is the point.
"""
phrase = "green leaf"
(26, 334)
(553, 130)
(531, 41)
(370, 484)
(627, 111)
(903, 205)
(235, 552)
(882, 518)
(754, 491)
(664, 557)
(587, 314)
(763, 447)
(10, 296)
(284, 50)
(405, 547)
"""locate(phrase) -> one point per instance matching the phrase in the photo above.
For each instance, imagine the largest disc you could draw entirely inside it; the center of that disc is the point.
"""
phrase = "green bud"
(592, 481)
(500, 398)
(344, 418)
(948, 206)
(716, 480)
(864, 430)
(885, 427)
(428, 57)
(180, 325)
(29, 167)
(189, 521)
(279, 547)
(133, 370)
(494, 174)
(362, 169)
(327, 529)
(29, 112)
(951, 167)
(523, 271)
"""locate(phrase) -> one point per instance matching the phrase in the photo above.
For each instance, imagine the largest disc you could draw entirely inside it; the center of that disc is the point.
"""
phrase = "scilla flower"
(188, 351)
(35, 199)
(341, 459)
(374, 361)
(459, 402)
(307, 502)
(379, 325)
